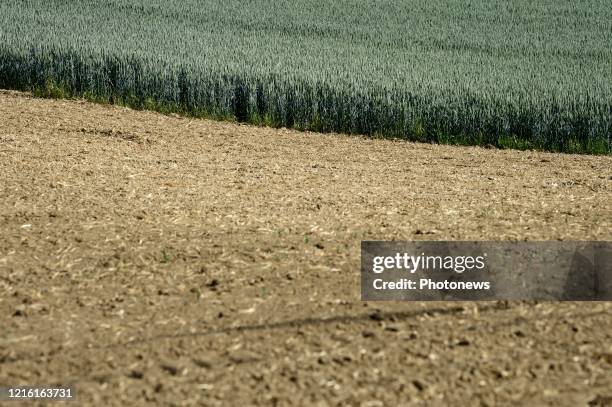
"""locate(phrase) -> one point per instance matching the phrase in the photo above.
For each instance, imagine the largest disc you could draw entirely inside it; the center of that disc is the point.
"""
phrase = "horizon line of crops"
(562, 103)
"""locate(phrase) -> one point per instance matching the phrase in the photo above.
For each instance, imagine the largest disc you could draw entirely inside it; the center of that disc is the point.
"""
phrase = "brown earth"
(151, 258)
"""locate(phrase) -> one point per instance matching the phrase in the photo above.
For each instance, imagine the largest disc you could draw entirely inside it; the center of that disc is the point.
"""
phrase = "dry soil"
(169, 260)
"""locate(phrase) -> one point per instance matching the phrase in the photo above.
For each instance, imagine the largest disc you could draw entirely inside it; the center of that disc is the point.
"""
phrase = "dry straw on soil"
(150, 257)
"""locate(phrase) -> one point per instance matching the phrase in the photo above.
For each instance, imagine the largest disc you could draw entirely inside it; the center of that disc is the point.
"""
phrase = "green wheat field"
(527, 74)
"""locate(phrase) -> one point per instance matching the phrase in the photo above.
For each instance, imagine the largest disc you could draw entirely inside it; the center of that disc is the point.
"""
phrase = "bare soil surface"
(147, 258)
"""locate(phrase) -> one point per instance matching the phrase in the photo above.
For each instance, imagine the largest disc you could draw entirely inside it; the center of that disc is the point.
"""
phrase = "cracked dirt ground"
(152, 258)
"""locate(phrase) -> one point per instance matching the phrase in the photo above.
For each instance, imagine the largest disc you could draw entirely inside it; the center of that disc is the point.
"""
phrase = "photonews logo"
(412, 263)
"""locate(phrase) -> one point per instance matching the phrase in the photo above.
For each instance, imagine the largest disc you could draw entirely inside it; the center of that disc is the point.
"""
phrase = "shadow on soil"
(298, 323)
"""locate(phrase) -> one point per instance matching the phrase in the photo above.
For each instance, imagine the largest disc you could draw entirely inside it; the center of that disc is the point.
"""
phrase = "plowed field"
(151, 258)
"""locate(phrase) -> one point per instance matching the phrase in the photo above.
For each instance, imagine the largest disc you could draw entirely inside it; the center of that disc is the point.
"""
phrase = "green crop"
(510, 73)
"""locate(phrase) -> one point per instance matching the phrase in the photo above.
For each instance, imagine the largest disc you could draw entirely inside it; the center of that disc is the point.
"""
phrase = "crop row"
(438, 72)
